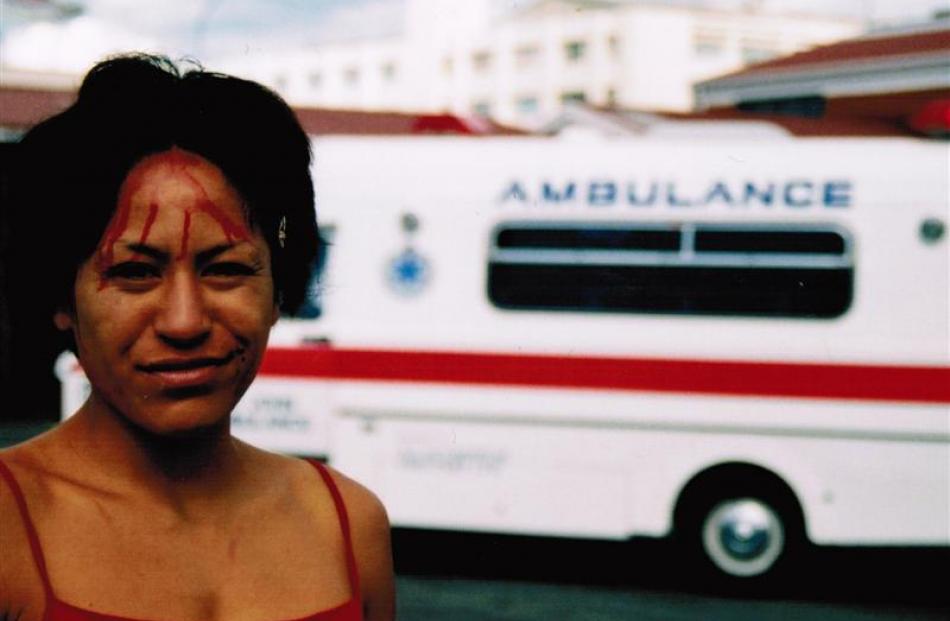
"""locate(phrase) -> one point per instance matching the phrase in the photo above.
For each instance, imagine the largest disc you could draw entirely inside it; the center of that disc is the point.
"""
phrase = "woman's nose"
(183, 320)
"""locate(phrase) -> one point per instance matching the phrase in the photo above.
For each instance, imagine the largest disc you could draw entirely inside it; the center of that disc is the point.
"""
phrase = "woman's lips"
(186, 377)
(187, 372)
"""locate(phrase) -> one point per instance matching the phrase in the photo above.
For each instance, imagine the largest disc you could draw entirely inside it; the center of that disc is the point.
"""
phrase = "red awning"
(932, 119)
(440, 124)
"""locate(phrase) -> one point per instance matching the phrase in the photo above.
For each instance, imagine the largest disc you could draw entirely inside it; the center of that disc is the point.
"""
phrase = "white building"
(519, 66)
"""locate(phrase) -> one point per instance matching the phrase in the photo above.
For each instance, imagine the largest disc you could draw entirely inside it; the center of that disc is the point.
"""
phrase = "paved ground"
(488, 578)
(433, 599)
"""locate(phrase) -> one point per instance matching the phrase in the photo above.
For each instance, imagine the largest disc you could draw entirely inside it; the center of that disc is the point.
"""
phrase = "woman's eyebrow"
(149, 251)
(206, 255)
(163, 256)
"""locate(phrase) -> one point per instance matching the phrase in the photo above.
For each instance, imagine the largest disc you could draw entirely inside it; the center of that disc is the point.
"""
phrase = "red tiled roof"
(22, 108)
(883, 114)
(802, 126)
(862, 48)
(893, 106)
(325, 121)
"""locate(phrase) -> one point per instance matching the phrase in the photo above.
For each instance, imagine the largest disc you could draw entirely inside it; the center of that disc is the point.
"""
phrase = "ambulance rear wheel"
(743, 537)
(749, 534)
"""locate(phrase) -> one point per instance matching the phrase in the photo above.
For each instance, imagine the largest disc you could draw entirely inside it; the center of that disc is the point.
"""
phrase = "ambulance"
(739, 344)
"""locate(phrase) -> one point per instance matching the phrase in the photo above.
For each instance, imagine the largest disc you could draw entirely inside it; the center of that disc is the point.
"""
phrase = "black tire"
(747, 537)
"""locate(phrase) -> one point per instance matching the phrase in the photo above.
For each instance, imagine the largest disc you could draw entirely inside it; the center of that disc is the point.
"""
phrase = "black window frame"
(807, 273)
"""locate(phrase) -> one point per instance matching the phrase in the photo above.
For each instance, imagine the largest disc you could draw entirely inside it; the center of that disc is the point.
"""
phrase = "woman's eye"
(228, 268)
(132, 270)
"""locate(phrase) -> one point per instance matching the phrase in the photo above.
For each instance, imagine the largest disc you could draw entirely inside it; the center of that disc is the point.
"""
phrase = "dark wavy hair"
(69, 168)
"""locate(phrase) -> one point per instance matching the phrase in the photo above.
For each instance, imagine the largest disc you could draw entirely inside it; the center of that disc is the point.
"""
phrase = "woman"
(173, 221)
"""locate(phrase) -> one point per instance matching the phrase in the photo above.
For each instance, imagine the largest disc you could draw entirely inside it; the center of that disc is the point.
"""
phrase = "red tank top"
(57, 610)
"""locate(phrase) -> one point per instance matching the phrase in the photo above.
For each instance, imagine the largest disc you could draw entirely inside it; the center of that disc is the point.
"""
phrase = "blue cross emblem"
(408, 272)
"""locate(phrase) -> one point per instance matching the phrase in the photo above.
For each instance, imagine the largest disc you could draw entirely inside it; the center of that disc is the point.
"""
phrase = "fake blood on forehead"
(179, 162)
(149, 221)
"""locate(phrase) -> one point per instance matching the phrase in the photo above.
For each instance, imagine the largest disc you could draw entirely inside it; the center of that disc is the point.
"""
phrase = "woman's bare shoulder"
(10, 488)
(20, 584)
(31, 459)
(364, 509)
(29, 471)
(369, 524)
(362, 506)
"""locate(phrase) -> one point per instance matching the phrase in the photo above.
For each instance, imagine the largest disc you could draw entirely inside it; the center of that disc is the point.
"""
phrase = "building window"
(315, 79)
(527, 105)
(770, 270)
(708, 44)
(612, 97)
(812, 106)
(388, 71)
(574, 51)
(575, 96)
(481, 61)
(527, 56)
(351, 76)
(447, 65)
(613, 46)
(482, 108)
(757, 51)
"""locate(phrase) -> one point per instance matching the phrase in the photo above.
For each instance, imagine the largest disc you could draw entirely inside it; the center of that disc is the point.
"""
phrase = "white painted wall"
(642, 56)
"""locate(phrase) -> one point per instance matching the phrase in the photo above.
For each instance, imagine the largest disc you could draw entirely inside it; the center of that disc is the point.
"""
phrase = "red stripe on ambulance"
(772, 379)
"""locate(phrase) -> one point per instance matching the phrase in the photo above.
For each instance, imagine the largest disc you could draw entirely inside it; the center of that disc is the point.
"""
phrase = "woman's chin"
(199, 414)
(188, 428)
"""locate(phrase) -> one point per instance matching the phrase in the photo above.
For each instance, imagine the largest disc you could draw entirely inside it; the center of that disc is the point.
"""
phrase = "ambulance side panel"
(611, 463)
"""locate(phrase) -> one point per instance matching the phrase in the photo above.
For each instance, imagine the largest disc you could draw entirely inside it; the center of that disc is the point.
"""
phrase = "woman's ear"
(63, 320)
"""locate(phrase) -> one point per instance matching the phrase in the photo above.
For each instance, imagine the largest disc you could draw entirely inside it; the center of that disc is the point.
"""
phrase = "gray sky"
(223, 27)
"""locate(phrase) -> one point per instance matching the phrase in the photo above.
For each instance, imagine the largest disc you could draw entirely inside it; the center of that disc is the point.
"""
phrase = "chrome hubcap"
(743, 537)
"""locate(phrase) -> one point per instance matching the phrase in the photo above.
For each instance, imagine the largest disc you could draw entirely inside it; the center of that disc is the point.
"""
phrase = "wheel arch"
(729, 477)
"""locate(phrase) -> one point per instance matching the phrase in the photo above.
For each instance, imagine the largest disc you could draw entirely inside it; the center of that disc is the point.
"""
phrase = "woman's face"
(173, 310)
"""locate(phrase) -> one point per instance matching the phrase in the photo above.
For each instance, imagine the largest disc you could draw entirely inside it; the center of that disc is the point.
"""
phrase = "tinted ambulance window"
(800, 242)
(691, 268)
(312, 306)
(589, 238)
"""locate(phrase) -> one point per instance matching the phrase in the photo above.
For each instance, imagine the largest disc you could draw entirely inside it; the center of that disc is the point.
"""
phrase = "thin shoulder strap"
(30, 529)
(344, 526)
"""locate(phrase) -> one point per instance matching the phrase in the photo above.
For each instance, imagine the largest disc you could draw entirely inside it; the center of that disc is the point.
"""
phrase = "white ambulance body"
(743, 343)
